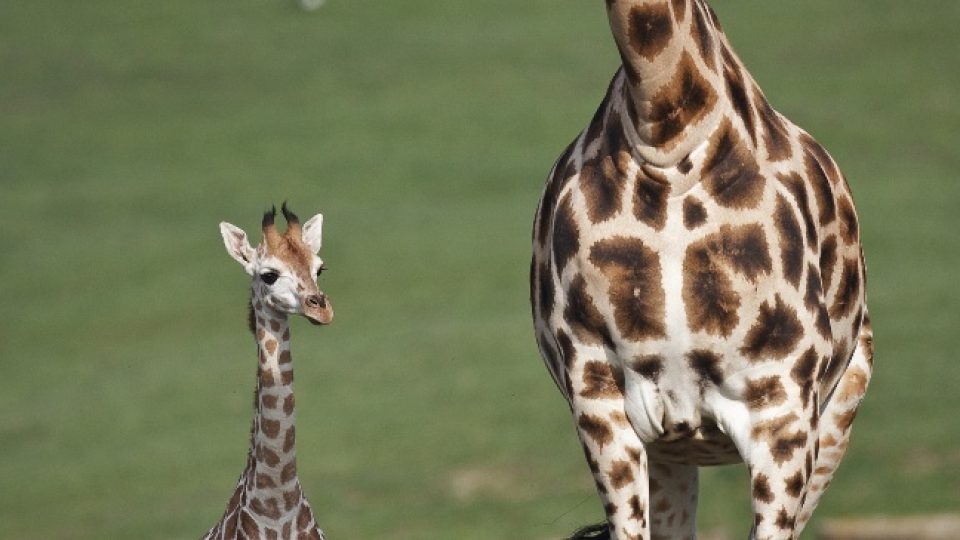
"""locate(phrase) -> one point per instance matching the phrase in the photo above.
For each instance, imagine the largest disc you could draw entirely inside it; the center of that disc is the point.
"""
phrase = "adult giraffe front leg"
(616, 456)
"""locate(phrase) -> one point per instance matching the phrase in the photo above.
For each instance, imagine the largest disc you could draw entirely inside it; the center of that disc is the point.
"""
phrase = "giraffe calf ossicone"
(268, 502)
(698, 285)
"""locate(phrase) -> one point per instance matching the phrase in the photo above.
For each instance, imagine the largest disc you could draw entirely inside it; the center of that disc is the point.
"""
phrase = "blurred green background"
(424, 131)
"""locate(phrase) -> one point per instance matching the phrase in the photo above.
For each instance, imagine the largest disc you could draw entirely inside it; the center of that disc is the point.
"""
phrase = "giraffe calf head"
(284, 267)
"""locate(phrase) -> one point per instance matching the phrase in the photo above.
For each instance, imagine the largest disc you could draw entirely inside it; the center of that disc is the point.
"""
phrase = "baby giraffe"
(268, 502)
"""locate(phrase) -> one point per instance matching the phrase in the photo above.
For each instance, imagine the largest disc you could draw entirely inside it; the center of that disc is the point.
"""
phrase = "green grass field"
(423, 130)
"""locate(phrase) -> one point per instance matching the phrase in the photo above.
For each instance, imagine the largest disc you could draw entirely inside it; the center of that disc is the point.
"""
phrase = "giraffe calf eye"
(269, 277)
(321, 269)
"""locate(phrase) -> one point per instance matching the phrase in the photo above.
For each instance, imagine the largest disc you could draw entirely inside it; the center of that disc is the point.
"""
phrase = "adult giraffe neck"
(671, 86)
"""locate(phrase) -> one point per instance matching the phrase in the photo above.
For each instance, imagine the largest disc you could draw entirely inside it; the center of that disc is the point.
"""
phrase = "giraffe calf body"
(698, 285)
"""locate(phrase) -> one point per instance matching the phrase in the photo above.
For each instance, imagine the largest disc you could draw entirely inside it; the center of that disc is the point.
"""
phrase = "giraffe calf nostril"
(317, 300)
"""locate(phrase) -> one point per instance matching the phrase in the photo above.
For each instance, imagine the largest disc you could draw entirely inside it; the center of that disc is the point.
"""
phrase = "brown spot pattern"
(649, 367)
(828, 260)
(802, 374)
(730, 173)
(566, 234)
(651, 28)
(707, 365)
(621, 474)
(775, 133)
(761, 489)
(764, 392)
(650, 201)
(774, 334)
(683, 101)
(596, 428)
(635, 287)
(710, 302)
(848, 290)
(791, 241)
(694, 214)
(781, 441)
(582, 314)
(600, 381)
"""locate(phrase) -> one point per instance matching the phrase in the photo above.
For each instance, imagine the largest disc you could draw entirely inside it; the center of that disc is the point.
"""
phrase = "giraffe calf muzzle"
(317, 309)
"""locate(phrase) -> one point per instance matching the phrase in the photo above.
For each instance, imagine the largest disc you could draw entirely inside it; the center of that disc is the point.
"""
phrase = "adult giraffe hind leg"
(836, 420)
(673, 501)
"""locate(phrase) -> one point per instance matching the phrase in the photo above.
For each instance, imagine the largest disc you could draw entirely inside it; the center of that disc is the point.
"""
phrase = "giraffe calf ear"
(312, 232)
(237, 245)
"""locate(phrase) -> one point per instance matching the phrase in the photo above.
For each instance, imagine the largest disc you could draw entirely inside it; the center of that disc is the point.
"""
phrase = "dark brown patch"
(636, 508)
(649, 367)
(694, 214)
(596, 428)
(266, 508)
(288, 404)
(828, 260)
(683, 101)
(562, 172)
(802, 374)
(848, 290)
(794, 484)
(621, 474)
(737, 92)
(582, 314)
(775, 333)
(263, 481)
(268, 456)
(781, 441)
(604, 177)
(784, 520)
(775, 133)
(845, 420)
(566, 234)
(761, 489)
(703, 35)
(849, 230)
(289, 472)
(268, 401)
(743, 248)
(791, 241)
(569, 354)
(285, 357)
(249, 525)
(270, 428)
(707, 365)
(286, 377)
(679, 9)
(730, 173)
(764, 392)
(291, 498)
(545, 289)
(635, 291)
(650, 29)
(600, 381)
(798, 190)
(650, 201)
(709, 299)
(822, 190)
(685, 165)
(303, 517)
(289, 439)
(823, 157)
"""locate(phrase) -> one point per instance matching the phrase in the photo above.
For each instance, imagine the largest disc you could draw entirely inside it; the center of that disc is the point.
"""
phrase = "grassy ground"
(423, 130)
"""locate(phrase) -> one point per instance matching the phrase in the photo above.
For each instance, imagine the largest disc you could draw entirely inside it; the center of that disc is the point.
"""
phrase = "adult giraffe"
(698, 285)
